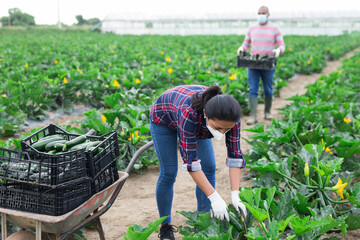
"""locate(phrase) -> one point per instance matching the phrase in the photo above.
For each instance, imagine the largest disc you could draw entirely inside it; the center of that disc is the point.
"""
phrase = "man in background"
(263, 37)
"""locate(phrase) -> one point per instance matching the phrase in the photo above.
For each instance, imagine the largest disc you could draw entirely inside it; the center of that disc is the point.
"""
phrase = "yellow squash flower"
(56, 61)
(138, 81)
(26, 65)
(306, 170)
(347, 120)
(103, 118)
(170, 70)
(233, 77)
(308, 62)
(168, 59)
(339, 187)
(65, 80)
(327, 149)
(141, 72)
(4, 95)
(134, 136)
(116, 83)
(188, 60)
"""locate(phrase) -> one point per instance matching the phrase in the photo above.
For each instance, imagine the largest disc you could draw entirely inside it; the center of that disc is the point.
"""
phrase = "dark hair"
(217, 105)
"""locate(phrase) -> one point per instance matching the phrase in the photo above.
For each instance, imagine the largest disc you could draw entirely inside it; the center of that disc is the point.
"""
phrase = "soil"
(136, 202)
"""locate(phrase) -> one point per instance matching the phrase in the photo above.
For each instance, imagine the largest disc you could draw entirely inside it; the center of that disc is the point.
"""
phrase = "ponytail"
(199, 102)
(217, 105)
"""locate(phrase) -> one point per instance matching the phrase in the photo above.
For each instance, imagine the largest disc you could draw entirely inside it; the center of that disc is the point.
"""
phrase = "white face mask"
(262, 18)
(217, 135)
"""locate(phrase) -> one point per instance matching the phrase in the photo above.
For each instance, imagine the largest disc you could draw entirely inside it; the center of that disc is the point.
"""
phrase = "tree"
(82, 21)
(93, 21)
(18, 18)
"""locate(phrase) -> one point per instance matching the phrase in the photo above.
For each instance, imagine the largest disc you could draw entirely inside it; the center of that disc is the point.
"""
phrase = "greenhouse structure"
(296, 23)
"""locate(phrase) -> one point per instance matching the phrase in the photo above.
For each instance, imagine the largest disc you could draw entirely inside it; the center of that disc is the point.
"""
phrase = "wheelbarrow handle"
(137, 155)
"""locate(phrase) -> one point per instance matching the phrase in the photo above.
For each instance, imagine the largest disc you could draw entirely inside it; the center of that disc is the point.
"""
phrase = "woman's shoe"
(167, 232)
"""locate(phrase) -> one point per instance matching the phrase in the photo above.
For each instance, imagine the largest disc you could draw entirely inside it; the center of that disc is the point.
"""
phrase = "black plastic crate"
(45, 200)
(102, 162)
(41, 169)
(255, 62)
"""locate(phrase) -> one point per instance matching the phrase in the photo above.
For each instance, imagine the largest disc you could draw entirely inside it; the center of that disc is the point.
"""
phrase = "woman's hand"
(238, 205)
(218, 206)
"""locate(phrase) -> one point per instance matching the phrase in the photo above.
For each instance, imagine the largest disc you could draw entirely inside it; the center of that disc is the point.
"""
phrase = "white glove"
(218, 206)
(235, 200)
(276, 51)
(240, 50)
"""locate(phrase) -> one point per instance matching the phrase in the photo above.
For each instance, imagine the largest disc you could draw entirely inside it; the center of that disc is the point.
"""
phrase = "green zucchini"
(51, 145)
(234, 220)
(85, 145)
(99, 149)
(73, 142)
(40, 145)
(51, 136)
(92, 144)
(79, 146)
(59, 147)
(52, 151)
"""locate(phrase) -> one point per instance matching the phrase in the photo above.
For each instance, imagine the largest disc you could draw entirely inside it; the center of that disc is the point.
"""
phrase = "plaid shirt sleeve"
(235, 156)
(187, 125)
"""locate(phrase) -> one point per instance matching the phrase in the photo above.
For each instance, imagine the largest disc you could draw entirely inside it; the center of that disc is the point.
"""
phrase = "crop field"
(305, 166)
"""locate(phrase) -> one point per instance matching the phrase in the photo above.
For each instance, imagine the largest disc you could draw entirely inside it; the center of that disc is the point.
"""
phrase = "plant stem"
(307, 180)
(322, 199)
(290, 145)
(332, 201)
(310, 195)
(264, 228)
(296, 182)
(297, 139)
(343, 212)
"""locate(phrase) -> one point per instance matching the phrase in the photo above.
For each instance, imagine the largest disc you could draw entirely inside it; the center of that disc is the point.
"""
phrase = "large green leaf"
(259, 214)
(139, 232)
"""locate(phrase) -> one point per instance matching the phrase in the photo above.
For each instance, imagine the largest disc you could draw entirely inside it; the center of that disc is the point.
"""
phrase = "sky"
(46, 11)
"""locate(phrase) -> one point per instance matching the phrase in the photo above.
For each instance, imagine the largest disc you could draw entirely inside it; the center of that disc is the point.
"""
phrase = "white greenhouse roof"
(141, 17)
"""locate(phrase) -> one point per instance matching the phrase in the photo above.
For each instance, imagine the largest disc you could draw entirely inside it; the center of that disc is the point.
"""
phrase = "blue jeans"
(165, 143)
(267, 77)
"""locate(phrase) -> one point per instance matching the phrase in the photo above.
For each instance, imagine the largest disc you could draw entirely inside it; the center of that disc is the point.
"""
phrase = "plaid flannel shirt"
(174, 109)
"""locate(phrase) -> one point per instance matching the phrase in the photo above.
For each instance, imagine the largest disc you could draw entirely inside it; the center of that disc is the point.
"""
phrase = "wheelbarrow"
(61, 227)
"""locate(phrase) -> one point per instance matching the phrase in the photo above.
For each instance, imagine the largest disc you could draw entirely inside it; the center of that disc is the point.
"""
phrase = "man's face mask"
(262, 18)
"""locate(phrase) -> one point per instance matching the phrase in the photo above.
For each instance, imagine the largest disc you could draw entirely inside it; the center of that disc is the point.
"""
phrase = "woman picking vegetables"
(192, 115)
